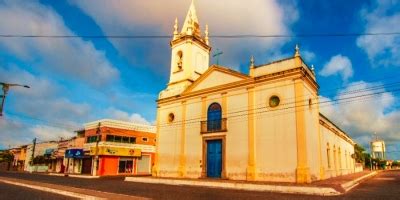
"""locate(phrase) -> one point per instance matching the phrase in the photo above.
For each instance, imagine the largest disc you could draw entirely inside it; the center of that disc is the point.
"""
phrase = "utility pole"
(33, 151)
(96, 155)
(6, 87)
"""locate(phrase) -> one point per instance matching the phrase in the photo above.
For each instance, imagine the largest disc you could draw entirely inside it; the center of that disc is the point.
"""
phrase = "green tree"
(39, 160)
(7, 157)
(359, 153)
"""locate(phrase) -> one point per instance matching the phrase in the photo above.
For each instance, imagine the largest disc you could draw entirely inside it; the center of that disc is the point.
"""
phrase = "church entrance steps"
(329, 187)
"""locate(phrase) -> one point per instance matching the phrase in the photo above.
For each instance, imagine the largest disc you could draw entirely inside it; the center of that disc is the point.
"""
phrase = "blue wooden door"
(214, 158)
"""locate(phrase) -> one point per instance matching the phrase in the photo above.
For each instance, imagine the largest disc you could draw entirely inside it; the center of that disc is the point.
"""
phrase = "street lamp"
(6, 87)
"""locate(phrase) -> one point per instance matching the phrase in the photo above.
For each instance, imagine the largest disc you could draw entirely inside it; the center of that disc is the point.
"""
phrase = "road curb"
(353, 183)
(73, 175)
(52, 190)
(321, 191)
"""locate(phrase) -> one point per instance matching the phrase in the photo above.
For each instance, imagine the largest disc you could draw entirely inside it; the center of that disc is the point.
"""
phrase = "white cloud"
(43, 100)
(13, 133)
(309, 56)
(224, 18)
(46, 133)
(42, 104)
(338, 65)
(75, 58)
(384, 18)
(362, 116)
(124, 116)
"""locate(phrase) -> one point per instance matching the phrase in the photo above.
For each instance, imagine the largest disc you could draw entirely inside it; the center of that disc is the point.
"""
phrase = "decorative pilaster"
(251, 166)
(302, 170)
(182, 158)
(155, 170)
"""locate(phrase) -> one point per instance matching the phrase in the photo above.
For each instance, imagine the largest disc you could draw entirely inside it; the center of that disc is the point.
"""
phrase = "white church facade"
(263, 126)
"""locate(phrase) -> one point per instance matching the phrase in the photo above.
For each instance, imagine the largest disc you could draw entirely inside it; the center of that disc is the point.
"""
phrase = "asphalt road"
(16, 192)
(383, 186)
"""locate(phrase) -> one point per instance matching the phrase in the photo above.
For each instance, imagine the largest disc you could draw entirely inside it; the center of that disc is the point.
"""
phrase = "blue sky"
(76, 80)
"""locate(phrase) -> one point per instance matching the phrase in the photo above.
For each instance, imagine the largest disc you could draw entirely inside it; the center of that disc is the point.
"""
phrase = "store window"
(120, 139)
(91, 139)
(125, 166)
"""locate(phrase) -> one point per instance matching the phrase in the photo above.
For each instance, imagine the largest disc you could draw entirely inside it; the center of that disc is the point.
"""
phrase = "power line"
(238, 36)
(244, 112)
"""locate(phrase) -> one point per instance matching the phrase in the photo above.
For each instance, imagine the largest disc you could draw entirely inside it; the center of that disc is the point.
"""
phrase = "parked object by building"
(263, 126)
(120, 148)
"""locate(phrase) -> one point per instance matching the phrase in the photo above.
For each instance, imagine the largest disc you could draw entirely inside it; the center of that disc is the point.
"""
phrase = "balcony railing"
(212, 126)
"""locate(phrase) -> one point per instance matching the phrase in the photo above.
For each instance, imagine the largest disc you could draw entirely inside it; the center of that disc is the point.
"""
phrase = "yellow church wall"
(338, 165)
(193, 139)
(274, 161)
(310, 105)
(215, 79)
(169, 135)
(237, 137)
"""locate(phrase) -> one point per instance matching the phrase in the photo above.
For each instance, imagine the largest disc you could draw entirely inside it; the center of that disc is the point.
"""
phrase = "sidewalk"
(73, 175)
(67, 190)
(329, 187)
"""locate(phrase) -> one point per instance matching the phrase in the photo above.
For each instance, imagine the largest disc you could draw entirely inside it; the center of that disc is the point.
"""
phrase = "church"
(214, 122)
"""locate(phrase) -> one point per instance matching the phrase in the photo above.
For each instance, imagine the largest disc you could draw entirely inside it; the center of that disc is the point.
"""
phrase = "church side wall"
(275, 130)
(334, 162)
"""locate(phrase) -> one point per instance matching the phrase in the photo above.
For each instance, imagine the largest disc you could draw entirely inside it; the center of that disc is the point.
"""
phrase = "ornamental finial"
(206, 35)
(176, 26)
(297, 51)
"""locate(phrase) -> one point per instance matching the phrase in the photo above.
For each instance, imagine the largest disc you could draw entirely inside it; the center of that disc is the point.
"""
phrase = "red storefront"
(122, 161)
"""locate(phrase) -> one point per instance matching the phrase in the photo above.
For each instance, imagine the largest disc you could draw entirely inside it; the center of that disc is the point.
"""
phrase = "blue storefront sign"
(74, 153)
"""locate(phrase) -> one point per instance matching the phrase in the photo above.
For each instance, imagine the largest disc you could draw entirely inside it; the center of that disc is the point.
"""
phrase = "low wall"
(38, 168)
(358, 167)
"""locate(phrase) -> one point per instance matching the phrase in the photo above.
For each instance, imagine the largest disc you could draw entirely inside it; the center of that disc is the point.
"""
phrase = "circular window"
(274, 101)
(171, 117)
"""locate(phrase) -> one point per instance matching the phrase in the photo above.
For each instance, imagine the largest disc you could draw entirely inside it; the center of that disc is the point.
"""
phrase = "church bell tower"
(190, 54)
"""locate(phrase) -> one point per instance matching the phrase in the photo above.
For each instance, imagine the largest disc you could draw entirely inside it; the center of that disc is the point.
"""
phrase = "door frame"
(204, 162)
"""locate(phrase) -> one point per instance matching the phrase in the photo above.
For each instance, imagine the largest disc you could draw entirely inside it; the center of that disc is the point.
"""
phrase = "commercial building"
(71, 157)
(42, 152)
(263, 126)
(120, 148)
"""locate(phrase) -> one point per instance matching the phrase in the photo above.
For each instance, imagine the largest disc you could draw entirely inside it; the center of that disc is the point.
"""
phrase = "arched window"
(328, 155)
(179, 60)
(214, 117)
(334, 157)
(340, 158)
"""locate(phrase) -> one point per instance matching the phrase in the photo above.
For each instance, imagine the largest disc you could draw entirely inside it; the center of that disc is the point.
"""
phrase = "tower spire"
(191, 23)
